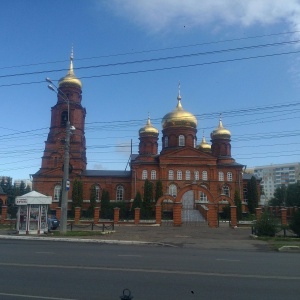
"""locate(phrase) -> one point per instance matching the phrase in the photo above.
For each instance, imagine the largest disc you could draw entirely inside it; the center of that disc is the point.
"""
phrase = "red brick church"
(198, 176)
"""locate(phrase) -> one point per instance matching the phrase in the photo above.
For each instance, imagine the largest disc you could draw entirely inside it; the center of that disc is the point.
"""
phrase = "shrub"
(295, 223)
(267, 225)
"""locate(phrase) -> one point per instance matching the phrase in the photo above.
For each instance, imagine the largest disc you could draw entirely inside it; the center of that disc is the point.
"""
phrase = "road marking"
(33, 297)
(158, 271)
(129, 255)
(230, 260)
(44, 252)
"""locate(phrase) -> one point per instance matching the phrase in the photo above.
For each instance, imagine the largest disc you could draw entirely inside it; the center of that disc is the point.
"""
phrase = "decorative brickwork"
(137, 215)
(116, 215)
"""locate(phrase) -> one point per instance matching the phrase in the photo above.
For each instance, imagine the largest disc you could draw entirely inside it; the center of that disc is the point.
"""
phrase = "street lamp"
(65, 181)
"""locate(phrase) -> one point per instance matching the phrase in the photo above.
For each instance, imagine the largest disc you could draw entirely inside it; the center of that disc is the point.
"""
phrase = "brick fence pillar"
(116, 215)
(137, 215)
(283, 216)
(158, 214)
(96, 215)
(4, 214)
(177, 221)
(212, 215)
(233, 216)
(258, 213)
(77, 215)
(58, 212)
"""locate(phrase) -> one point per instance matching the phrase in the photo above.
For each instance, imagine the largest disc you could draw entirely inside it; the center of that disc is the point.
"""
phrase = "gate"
(190, 215)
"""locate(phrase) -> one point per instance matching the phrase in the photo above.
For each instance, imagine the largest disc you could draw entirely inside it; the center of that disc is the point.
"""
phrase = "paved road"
(47, 270)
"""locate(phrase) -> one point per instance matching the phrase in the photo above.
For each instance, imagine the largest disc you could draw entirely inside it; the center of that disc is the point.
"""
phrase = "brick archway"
(177, 202)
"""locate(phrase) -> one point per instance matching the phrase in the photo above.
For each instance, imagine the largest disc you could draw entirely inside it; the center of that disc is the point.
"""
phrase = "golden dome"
(220, 132)
(204, 145)
(148, 129)
(70, 78)
(179, 117)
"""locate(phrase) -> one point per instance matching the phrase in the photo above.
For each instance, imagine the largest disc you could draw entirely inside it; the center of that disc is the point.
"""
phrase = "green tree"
(293, 195)
(77, 194)
(106, 207)
(238, 204)
(158, 190)
(137, 201)
(280, 195)
(295, 223)
(93, 198)
(252, 195)
(267, 225)
(147, 210)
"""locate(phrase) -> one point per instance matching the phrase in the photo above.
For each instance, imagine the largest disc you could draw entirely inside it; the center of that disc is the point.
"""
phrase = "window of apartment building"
(179, 175)
(120, 193)
(203, 197)
(229, 176)
(187, 175)
(171, 175)
(144, 175)
(204, 175)
(57, 190)
(196, 175)
(181, 140)
(221, 176)
(173, 190)
(153, 174)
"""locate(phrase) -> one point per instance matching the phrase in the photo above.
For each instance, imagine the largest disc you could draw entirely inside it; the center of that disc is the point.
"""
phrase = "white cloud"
(161, 15)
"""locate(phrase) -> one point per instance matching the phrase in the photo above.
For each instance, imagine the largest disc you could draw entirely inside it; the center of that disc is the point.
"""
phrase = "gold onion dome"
(148, 129)
(204, 145)
(70, 78)
(220, 132)
(179, 117)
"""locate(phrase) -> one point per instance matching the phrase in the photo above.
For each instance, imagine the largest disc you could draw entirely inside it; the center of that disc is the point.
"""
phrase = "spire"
(70, 78)
(179, 97)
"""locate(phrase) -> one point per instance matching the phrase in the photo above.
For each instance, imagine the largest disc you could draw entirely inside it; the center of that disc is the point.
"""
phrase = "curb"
(83, 240)
(289, 249)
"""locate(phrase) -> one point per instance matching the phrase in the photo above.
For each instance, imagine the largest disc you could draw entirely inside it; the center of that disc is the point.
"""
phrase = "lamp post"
(65, 181)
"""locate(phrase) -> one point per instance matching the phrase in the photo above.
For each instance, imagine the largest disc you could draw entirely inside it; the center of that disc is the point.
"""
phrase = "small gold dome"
(220, 132)
(179, 117)
(70, 78)
(148, 129)
(204, 145)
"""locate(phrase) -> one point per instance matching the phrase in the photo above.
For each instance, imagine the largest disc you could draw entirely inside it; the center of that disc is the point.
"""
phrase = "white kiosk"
(32, 213)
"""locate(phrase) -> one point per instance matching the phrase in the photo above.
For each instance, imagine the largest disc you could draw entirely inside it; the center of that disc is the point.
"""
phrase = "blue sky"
(235, 58)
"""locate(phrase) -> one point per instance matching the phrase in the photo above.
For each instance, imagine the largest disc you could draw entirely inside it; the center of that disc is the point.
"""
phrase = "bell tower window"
(181, 141)
(64, 119)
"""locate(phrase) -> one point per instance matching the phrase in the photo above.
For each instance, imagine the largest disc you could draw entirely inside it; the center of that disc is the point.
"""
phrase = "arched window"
(204, 175)
(221, 176)
(173, 190)
(187, 175)
(166, 141)
(171, 175)
(196, 175)
(229, 176)
(120, 193)
(179, 175)
(97, 192)
(203, 197)
(245, 195)
(64, 119)
(181, 141)
(144, 175)
(153, 174)
(225, 190)
(57, 190)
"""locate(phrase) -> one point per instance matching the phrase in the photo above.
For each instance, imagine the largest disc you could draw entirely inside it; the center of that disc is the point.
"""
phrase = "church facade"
(206, 171)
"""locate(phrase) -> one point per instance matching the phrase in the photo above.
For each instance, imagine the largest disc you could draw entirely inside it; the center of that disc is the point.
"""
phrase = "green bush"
(295, 223)
(267, 225)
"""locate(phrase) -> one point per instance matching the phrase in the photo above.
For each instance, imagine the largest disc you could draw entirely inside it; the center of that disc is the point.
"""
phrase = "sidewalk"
(201, 237)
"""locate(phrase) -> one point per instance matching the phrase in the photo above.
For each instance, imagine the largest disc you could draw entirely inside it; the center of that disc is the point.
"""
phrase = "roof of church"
(111, 173)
